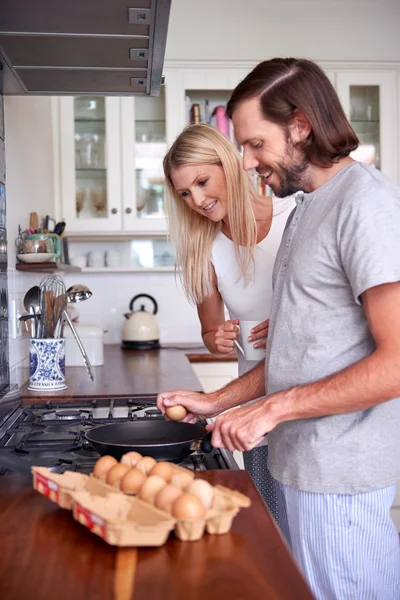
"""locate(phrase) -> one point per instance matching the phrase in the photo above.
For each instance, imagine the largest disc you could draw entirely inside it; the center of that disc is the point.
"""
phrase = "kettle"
(140, 331)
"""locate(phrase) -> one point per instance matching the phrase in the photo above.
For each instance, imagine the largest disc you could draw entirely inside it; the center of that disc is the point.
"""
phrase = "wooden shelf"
(49, 267)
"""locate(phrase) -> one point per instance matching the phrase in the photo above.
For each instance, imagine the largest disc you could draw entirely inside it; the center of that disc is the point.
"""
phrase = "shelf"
(91, 170)
(364, 121)
(169, 269)
(90, 120)
(49, 267)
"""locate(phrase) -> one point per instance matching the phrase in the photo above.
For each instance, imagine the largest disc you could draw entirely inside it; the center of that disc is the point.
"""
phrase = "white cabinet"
(110, 157)
(370, 103)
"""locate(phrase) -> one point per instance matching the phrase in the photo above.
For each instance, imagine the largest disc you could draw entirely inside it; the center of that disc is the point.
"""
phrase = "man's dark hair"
(286, 84)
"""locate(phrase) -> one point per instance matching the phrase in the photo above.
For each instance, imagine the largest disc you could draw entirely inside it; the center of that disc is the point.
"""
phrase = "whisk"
(53, 304)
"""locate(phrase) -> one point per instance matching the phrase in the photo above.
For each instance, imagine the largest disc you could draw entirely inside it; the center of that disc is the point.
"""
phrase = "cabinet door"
(369, 101)
(90, 167)
(144, 146)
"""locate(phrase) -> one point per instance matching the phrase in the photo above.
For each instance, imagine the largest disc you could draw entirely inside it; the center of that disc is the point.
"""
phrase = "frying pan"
(163, 440)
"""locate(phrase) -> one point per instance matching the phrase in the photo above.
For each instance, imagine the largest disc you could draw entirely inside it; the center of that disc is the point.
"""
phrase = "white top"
(250, 300)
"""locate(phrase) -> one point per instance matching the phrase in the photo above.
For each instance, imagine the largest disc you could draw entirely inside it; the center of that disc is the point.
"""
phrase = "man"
(332, 375)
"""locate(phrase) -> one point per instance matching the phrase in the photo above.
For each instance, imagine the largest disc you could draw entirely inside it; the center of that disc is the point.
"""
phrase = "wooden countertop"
(46, 554)
(132, 373)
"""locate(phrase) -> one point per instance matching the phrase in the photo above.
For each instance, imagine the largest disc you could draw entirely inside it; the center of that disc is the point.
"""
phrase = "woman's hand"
(259, 332)
(226, 335)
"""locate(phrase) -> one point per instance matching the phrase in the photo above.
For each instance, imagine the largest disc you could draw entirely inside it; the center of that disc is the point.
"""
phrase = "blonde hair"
(192, 234)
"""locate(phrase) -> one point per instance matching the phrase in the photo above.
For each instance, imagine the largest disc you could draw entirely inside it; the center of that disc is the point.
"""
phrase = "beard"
(290, 172)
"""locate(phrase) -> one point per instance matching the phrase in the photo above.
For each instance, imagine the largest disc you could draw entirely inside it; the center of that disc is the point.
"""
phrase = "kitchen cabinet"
(110, 156)
(369, 101)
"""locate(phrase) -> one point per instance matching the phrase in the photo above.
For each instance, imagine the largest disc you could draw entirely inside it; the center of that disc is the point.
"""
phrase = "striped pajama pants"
(346, 545)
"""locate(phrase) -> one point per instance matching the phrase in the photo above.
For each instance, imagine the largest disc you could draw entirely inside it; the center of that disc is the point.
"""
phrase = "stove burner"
(67, 415)
(152, 412)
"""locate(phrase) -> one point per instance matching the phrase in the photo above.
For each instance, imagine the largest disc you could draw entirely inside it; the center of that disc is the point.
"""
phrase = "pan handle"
(206, 445)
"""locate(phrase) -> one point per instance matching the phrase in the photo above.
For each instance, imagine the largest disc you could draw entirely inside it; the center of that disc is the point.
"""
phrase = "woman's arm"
(218, 335)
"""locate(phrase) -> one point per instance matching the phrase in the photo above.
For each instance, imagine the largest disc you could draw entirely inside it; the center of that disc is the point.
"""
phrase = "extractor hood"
(71, 47)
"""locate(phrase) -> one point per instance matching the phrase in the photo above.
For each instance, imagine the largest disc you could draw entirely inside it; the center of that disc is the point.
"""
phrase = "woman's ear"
(299, 127)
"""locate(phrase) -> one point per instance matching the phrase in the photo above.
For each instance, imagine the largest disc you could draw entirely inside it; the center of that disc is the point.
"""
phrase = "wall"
(29, 172)
(260, 29)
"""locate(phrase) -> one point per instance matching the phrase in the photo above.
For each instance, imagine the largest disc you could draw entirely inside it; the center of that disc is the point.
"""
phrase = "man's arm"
(248, 387)
(369, 382)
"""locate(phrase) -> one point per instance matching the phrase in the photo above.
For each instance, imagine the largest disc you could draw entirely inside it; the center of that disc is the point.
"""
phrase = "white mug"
(250, 353)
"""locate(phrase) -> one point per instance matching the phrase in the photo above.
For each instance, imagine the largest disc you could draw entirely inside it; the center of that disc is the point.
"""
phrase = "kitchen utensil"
(59, 228)
(91, 337)
(36, 258)
(29, 322)
(78, 293)
(78, 341)
(163, 440)
(34, 221)
(52, 238)
(32, 305)
(60, 304)
(140, 331)
(38, 245)
(239, 347)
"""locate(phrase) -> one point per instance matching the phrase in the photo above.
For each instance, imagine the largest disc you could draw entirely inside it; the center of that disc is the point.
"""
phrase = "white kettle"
(140, 331)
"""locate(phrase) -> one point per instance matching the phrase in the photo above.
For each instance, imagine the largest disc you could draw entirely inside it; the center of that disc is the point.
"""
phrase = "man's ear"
(299, 127)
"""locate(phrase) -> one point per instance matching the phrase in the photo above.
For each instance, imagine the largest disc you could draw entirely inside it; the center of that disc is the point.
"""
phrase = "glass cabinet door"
(144, 147)
(367, 99)
(90, 163)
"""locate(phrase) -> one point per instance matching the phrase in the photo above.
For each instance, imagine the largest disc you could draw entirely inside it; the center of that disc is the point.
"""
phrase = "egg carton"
(59, 487)
(104, 509)
(218, 519)
(121, 520)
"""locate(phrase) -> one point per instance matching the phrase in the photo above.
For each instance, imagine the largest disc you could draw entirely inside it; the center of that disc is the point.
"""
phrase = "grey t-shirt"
(341, 240)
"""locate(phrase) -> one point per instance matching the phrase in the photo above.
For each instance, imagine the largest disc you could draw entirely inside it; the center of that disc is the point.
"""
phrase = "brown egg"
(132, 481)
(103, 465)
(164, 470)
(145, 464)
(151, 486)
(188, 508)
(166, 497)
(203, 490)
(181, 479)
(176, 413)
(115, 474)
(130, 459)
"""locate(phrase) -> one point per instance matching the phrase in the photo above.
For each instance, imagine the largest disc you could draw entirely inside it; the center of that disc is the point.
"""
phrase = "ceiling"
(107, 47)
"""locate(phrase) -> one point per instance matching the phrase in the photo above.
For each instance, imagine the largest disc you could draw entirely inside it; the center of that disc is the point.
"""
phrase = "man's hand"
(244, 428)
(259, 332)
(199, 406)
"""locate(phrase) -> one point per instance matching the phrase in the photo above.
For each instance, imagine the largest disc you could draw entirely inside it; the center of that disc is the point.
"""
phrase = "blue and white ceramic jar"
(47, 364)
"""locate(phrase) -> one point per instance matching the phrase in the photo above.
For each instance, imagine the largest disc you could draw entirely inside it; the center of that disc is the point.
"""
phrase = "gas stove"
(53, 435)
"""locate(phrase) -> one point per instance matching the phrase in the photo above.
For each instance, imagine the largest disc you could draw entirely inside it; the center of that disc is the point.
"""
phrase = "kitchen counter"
(133, 373)
(46, 554)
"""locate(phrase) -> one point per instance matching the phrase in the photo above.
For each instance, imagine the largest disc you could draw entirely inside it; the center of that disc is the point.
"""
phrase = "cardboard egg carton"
(59, 487)
(218, 519)
(125, 520)
(121, 520)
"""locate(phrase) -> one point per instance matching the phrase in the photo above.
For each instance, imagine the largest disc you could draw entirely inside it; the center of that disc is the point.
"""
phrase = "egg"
(145, 464)
(151, 486)
(188, 508)
(115, 474)
(166, 497)
(176, 413)
(132, 481)
(130, 459)
(164, 470)
(181, 479)
(203, 490)
(103, 465)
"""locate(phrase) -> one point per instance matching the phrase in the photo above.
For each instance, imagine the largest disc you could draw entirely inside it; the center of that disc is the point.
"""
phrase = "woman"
(226, 237)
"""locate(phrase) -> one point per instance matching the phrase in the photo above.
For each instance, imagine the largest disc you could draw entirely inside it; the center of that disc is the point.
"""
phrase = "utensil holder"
(47, 364)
